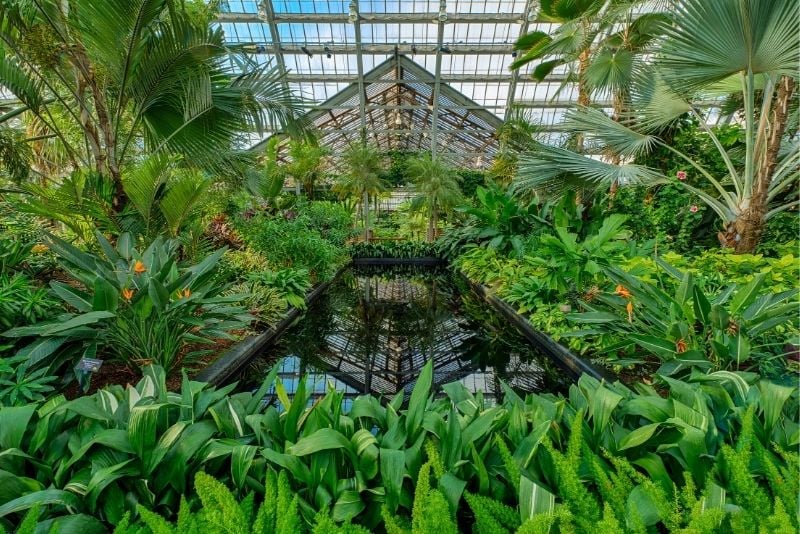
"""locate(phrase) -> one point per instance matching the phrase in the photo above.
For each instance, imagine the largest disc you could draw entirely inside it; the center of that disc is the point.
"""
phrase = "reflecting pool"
(374, 329)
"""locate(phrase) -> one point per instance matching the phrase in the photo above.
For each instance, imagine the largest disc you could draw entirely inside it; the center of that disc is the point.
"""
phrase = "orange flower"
(591, 294)
(186, 293)
(623, 292)
(629, 307)
(38, 249)
(127, 294)
(680, 346)
(139, 267)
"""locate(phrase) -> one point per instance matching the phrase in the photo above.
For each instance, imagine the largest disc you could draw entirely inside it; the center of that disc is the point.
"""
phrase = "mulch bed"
(113, 372)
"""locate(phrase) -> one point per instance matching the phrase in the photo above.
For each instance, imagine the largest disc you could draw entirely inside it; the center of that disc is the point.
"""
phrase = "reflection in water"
(374, 330)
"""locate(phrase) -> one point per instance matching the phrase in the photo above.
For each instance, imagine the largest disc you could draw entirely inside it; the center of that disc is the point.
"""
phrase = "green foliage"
(291, 284)
(499, 221)
(686, 329)
(19, 386)
(663, 211)
(394, 249)
(292, 242)
(603, 455)
(143, 304)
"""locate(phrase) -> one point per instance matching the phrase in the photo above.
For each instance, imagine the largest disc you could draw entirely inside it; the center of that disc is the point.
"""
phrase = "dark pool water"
(375, 328)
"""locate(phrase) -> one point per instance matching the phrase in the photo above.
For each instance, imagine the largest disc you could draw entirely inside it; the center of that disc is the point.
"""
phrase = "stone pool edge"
(546, 344)
(235, 358)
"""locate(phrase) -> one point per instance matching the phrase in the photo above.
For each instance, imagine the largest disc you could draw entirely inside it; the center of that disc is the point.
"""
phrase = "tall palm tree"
(362, 177)
(135, 74)
(437, 185)
(308, 162)
(599, 41)
(751, 50)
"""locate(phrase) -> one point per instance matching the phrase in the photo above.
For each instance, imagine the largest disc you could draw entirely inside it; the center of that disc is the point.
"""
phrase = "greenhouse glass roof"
(364, 46)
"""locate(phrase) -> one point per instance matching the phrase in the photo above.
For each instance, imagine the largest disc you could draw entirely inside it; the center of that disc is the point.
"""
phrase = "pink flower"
(682, 175)
(694, 208)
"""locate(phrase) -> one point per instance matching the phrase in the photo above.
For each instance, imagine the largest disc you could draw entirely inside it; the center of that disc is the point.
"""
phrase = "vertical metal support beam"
(268, 12)
(362, 92)
(437, 81)
(512, 86)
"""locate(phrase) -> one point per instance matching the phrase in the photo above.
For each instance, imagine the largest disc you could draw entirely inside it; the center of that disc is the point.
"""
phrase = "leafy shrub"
(333, 220)
(394, 249)
(687, 329)
(266, 304)
(715, 269)
(288, 243)
(717, 450)
(19, 386)
(221, 512)
(499, 221)
(291, 284)
(136, 307)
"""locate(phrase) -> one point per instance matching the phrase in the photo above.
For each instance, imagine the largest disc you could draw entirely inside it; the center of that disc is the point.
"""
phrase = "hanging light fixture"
(443, 11)
(534, 12)
(352, 16)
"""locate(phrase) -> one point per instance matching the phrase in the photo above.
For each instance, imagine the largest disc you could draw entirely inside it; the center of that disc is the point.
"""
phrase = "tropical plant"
(139, 307)
(222, 512)
(499, 221)
(288, 243)
(395, 249)
(267, 183)
(736, 56)
(144, 443)
(266, 304)
(308, 161)
(569, 264)
(291, 284)
(688, 330)
(361, 178)
(437, 189)
(601, 43)
(723, 442)
(18, 386)
(333, 220)
(122, 72)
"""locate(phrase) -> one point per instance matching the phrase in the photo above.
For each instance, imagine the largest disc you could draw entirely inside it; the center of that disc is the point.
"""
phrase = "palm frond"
(607, 134)
(15, 78)
(713, 39)
(182, 198)
(550, 171)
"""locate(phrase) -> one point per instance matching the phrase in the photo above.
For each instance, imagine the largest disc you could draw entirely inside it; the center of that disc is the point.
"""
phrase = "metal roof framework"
(459, 48)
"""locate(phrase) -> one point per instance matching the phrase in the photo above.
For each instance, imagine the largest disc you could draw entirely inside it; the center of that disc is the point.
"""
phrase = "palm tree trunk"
(431, 225)
(744, 234)
(584, 96)
(365, 204)
(619, 109)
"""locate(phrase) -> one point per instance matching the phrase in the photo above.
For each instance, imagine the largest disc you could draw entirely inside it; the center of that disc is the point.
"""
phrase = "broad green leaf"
(13, 424)
(419, 400)
(41, 498)
(638, 436)
(747, 294)
(534, 499)
(658, 346)
(80, 320)
(323, 439)
(393, 470)
(241, 460)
